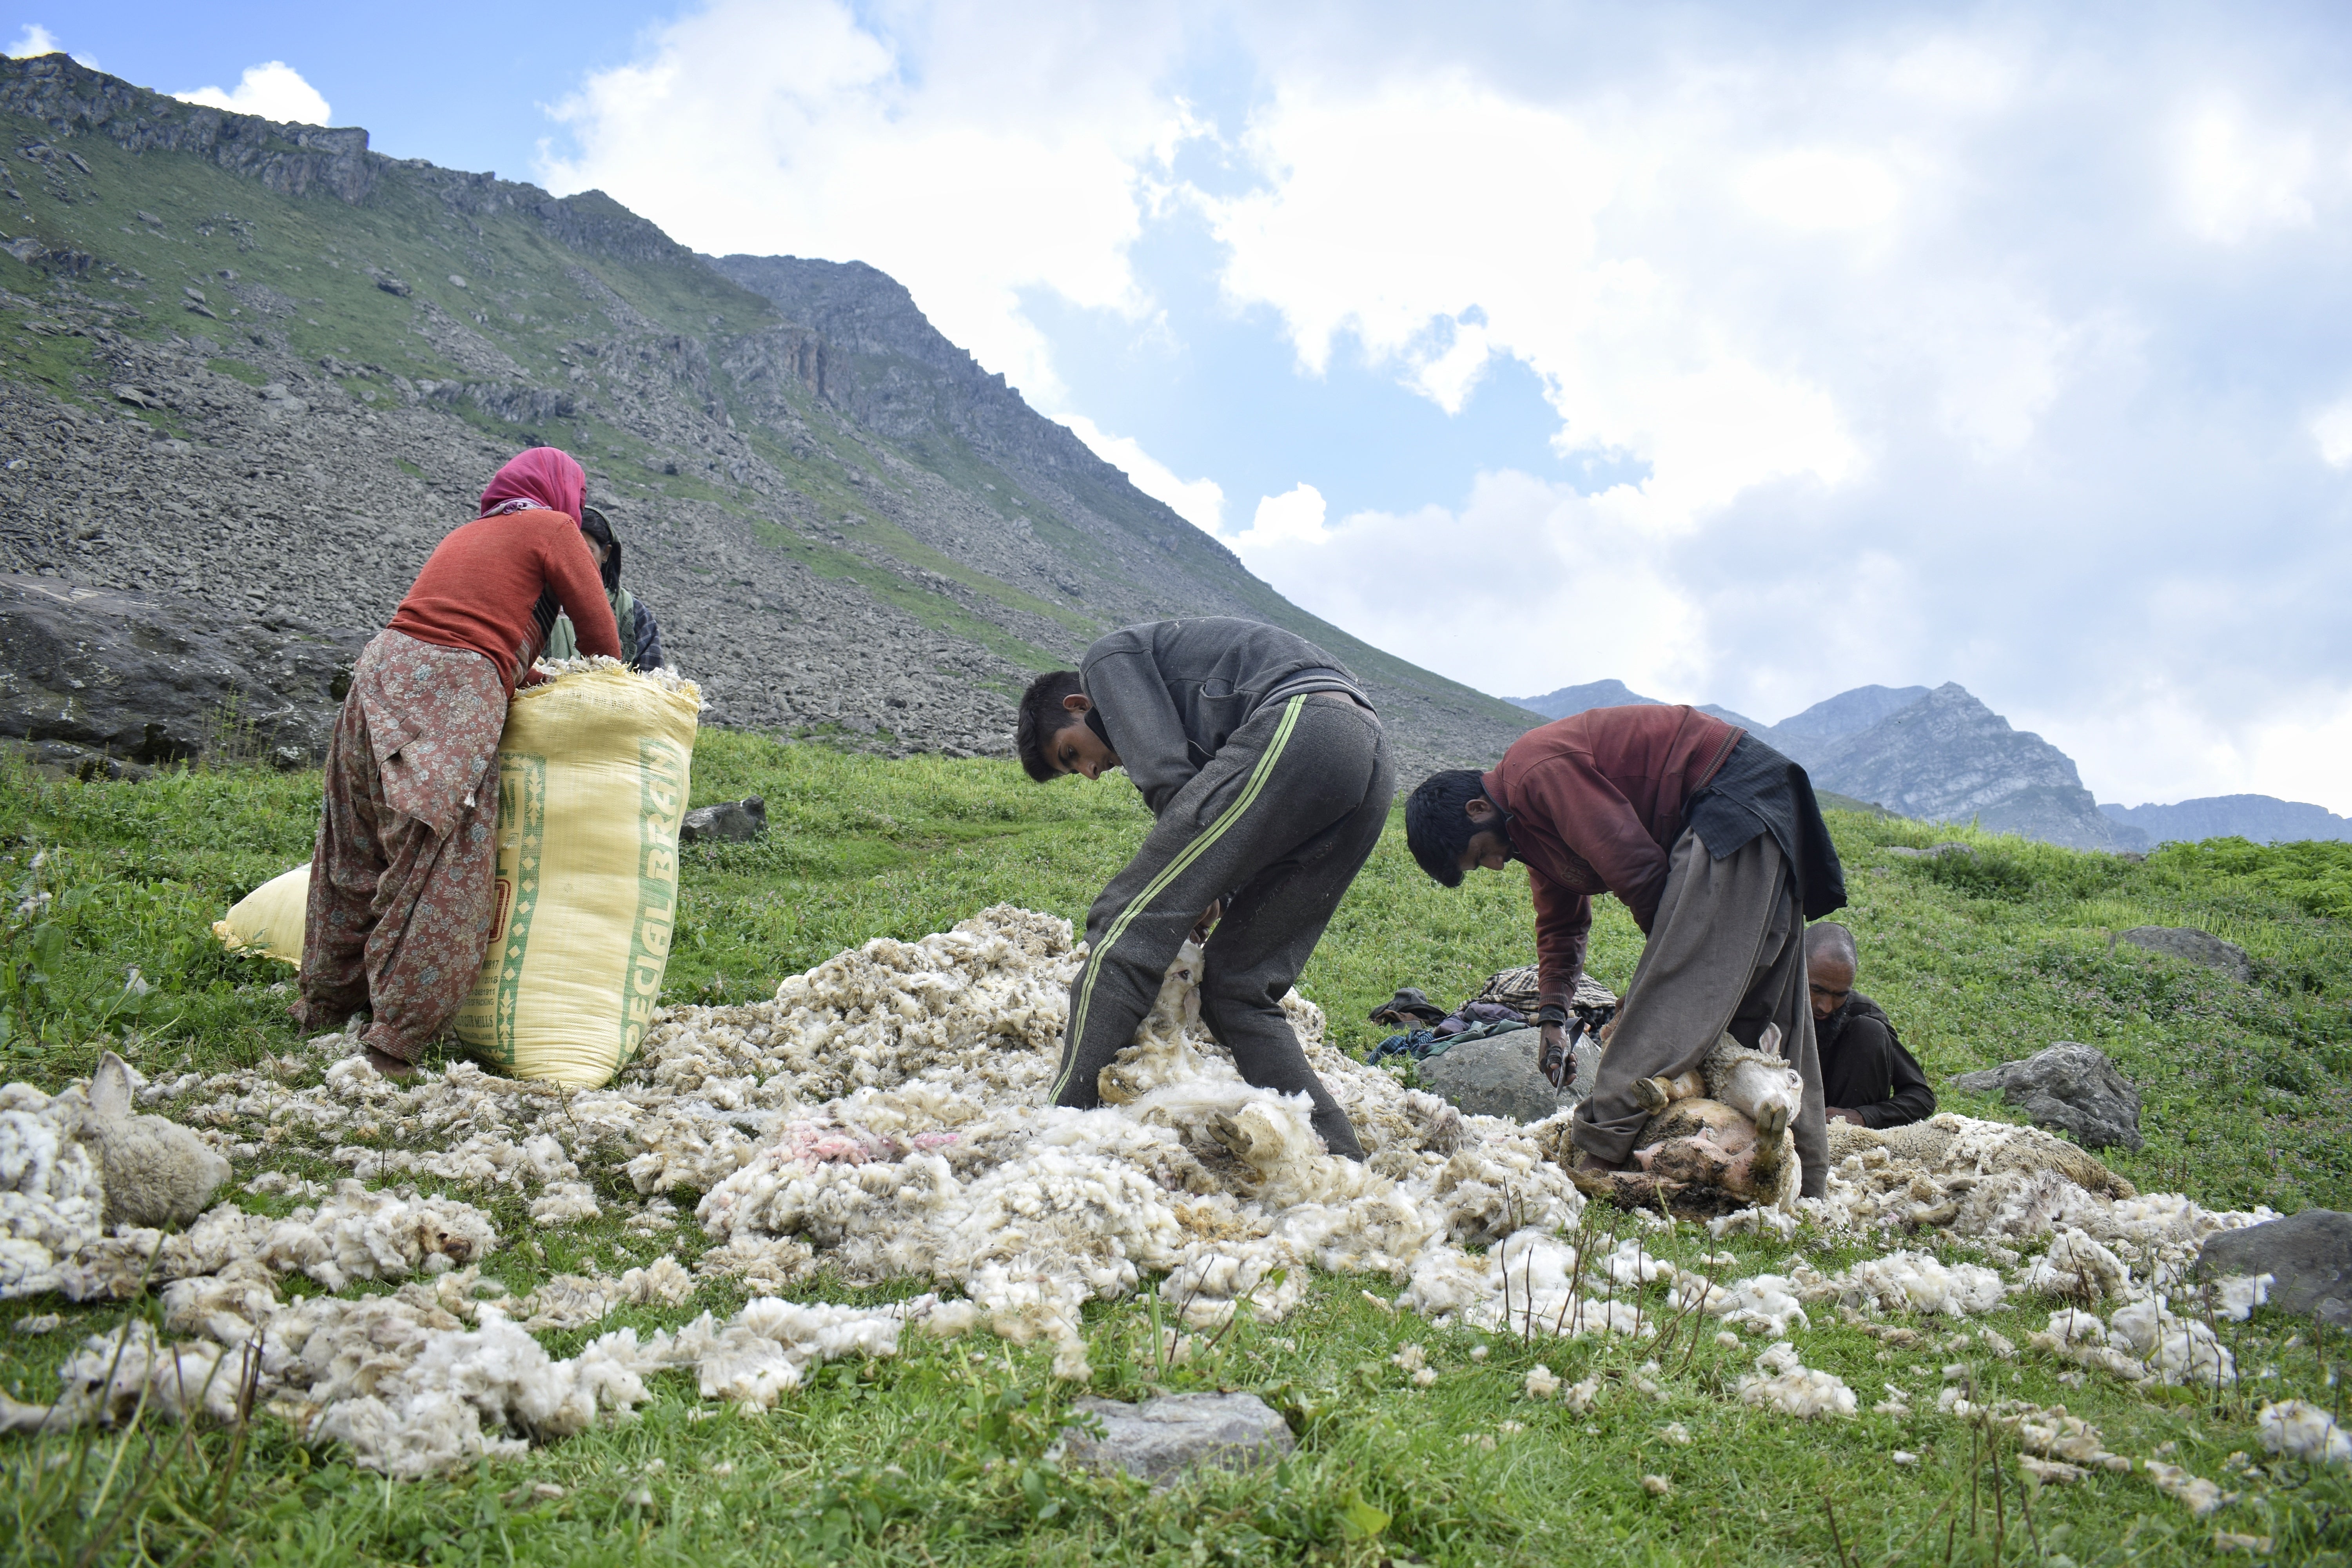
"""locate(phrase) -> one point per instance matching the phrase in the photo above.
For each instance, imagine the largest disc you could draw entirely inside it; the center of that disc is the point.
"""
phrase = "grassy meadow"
(938, 1455)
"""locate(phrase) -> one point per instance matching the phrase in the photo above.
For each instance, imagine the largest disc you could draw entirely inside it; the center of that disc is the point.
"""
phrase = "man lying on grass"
(1713, 840)
(1271, 779)
(1868, 1077)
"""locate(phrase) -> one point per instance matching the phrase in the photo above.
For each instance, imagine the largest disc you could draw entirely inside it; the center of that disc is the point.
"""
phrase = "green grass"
(936, 1456)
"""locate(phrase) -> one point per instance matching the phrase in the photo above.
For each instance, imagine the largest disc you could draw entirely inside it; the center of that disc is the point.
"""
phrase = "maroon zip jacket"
(1594, 803)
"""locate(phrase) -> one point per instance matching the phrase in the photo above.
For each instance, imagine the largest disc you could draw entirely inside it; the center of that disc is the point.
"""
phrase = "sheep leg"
(1654, 1094)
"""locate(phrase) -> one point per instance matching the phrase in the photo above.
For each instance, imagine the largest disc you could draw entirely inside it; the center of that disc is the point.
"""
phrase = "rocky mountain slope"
(2264, 818)
(1939, 754)
(251, 372)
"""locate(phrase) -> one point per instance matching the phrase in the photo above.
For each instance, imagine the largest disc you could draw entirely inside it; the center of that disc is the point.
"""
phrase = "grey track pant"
(1282, 818)
(1726, 951)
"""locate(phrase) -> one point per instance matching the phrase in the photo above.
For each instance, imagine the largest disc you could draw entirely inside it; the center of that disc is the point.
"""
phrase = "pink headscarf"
(545, 477)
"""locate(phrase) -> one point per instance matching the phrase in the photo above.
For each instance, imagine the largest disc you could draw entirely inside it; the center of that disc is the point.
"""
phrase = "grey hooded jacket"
(1167, 693)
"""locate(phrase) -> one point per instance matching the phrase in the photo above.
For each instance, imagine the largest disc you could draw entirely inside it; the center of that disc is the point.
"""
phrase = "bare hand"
(1209, 918)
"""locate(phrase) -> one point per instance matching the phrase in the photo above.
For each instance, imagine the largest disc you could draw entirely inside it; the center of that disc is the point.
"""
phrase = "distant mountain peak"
(1592, 694)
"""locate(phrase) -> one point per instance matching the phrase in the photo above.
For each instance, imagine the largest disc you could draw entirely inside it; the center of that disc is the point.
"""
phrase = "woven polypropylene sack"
(592, 779)
(268, 920)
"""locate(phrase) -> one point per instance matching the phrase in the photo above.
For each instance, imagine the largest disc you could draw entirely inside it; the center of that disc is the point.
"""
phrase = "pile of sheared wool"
(52, 1197)
(411, 1390)
(885, 1117)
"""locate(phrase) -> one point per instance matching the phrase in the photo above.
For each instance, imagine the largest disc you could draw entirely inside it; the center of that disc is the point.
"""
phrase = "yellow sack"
(593, 775)
(268, 920)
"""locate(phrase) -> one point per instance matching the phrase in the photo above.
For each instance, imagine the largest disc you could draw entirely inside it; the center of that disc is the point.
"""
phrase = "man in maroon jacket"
(1712, 839)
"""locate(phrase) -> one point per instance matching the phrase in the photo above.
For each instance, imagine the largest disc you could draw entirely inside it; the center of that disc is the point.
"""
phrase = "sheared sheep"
(1718, 1135)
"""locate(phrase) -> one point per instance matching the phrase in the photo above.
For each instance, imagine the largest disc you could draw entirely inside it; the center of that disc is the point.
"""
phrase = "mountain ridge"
(261, 366)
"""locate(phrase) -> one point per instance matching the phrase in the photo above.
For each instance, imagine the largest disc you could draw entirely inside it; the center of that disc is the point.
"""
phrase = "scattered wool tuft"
(1781, 1382)
(2301, 1431)
(1541, 1384)
(2235, 1296)
(2076, 1268)
(1913, 1282)
(2173, 1349)
(355, 1235)
(2201, 1496)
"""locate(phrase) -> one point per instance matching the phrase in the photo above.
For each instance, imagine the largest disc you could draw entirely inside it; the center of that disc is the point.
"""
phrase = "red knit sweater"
(483, 582)
(1596, 804)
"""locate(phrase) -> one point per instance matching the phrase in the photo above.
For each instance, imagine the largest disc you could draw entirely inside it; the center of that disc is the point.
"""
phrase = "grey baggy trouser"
(1282, 818)
(1726, 951)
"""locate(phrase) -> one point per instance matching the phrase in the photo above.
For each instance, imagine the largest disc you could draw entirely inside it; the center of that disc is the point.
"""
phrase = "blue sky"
(1744, 353)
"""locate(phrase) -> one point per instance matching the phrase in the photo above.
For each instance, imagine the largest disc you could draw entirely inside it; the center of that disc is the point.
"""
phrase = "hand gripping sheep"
(156, 1171)
(1717, 1137)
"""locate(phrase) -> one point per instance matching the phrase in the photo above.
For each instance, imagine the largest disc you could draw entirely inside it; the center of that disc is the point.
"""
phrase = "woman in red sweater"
(402, 879)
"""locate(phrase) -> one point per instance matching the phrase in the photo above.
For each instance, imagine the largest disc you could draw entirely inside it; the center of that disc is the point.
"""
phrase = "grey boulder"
(1498, 1076)
(2308, 1256)
(2195, 946)
(2070, 1086)
(150, 678)
(1160, 1438)
(729, 821)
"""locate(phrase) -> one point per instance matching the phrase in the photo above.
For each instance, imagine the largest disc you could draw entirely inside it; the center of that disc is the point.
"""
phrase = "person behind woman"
(402, 878)
(641, 645)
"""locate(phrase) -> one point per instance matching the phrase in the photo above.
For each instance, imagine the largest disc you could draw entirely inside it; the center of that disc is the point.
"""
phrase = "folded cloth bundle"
(1409, 1006)
(1422, 1044)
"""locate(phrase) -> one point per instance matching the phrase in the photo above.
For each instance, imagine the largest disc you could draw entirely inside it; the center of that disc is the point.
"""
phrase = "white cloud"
(274, 91)
(1391, 215)
(1291, 518)
(2332, 429)
(979, 151)
(1201, 502)
(2238, 181)
(36, 40)
(1974, 349)
(1525, 587)
(1821, 188)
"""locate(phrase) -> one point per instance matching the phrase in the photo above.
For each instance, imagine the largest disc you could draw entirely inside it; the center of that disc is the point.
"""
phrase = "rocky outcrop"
(1808, 736)
(2308, 1256)
(296, 159)
(1948, 758)
(151, 679)
(2195, 946)
(2071, 1088)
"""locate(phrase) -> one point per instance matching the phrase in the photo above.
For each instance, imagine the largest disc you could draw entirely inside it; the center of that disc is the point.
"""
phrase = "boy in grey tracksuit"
(1271, 779)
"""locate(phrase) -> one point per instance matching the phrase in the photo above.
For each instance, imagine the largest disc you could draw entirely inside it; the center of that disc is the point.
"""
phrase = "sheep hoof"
(1653, 1094)
(1771, 1121)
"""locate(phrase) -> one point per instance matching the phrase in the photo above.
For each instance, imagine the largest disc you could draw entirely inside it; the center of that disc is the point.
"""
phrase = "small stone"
(1160, 1438)
(2072, 1088)
(2308, 1256)
(2188, 943)
(728, 822)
